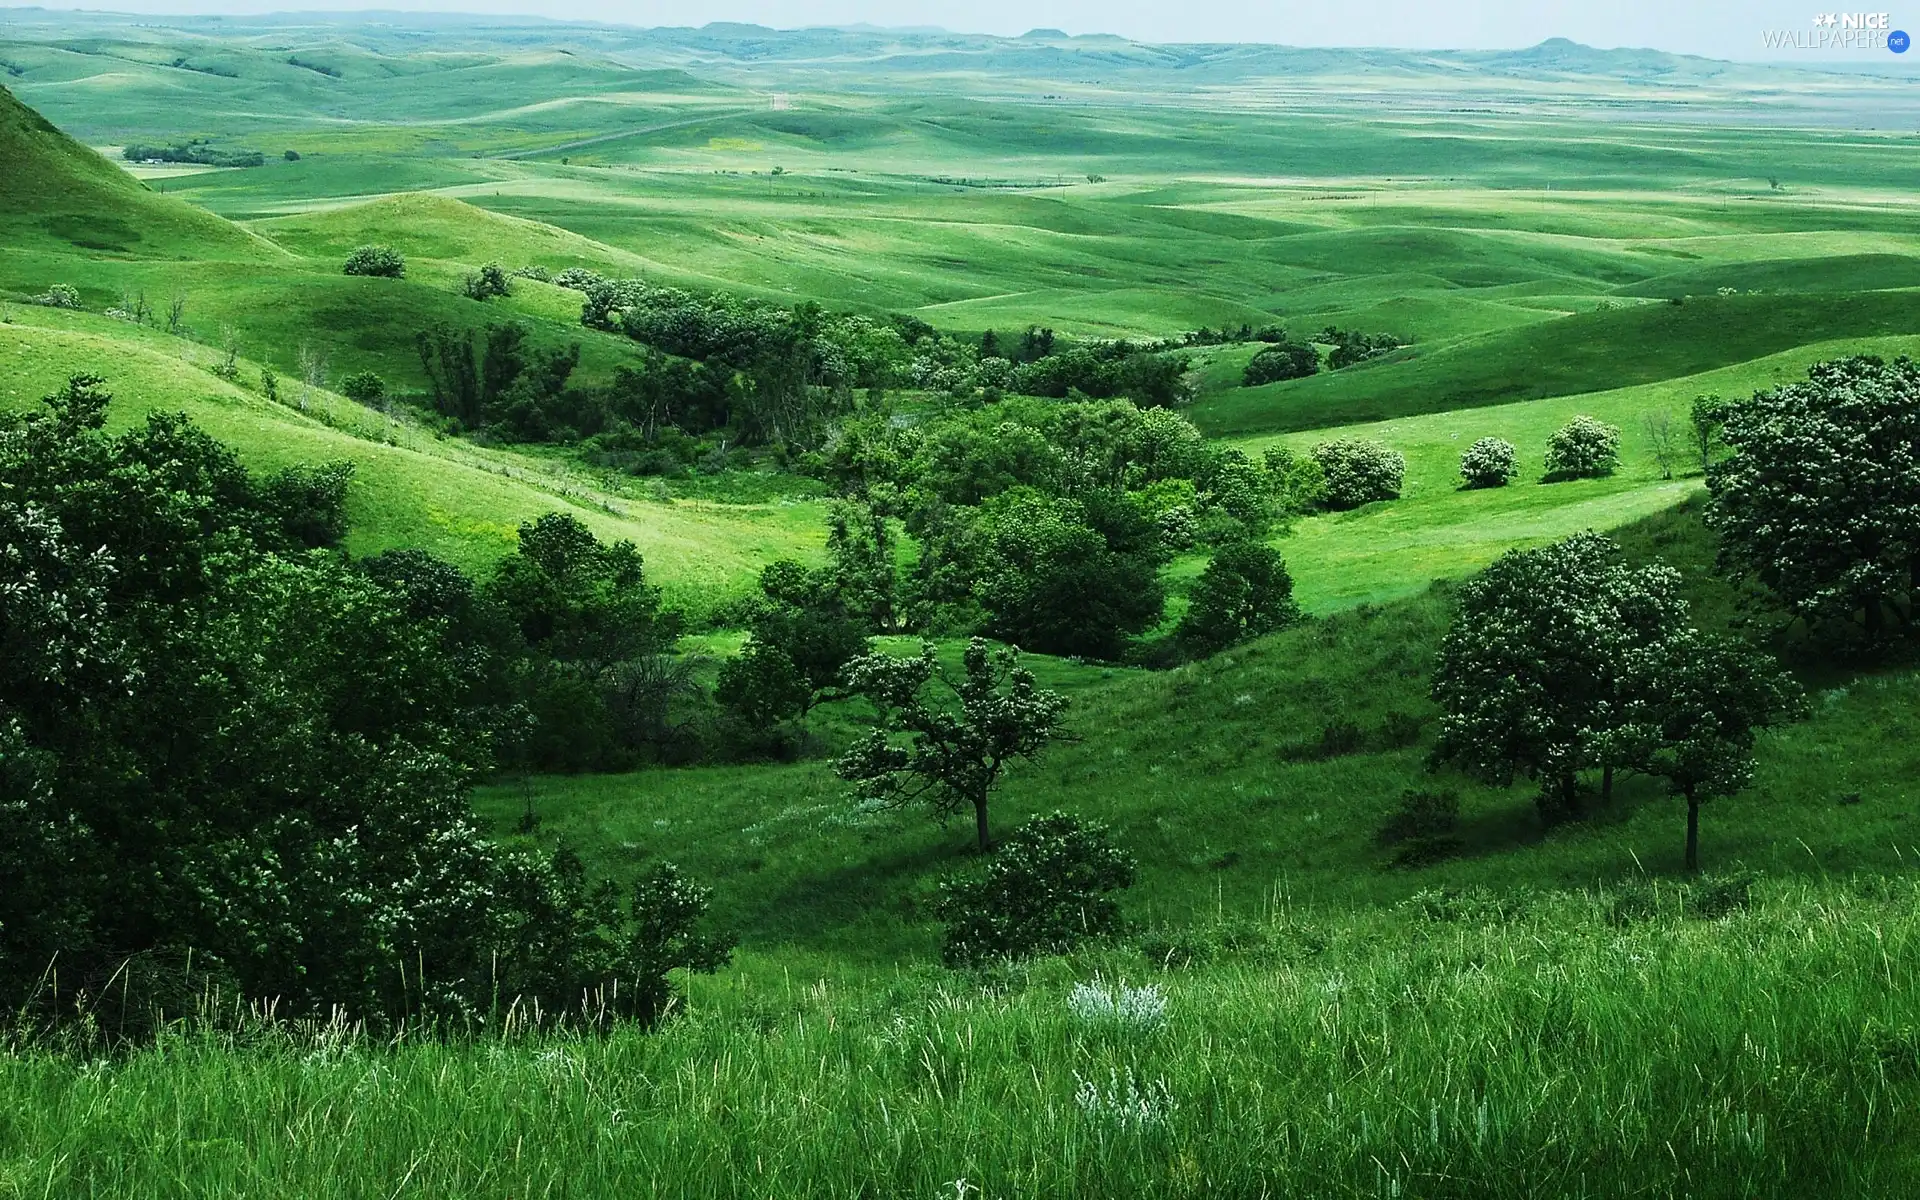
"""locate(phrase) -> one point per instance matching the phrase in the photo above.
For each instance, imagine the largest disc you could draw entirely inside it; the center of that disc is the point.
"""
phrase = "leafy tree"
(1298, 480)
(1238, 488)
(486, 283)
(665, 934)
(1820, 499)
(309, 502)
(1706, 419)
(1583, 448)
(955, 751)
(215, 745)
(1286, 360)
(1692, 705)
(1359, 472)
(1048, 888)
(1530, 676)
(860, 557)
(381, 261)
(1489, 463)
(1244, 592)
(1067, 576)
(801, 635)
(579, 602)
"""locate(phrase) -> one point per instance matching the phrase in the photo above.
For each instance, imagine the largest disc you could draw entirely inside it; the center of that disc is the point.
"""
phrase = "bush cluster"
(1357, 471)
(383, 262)
(1048, 888)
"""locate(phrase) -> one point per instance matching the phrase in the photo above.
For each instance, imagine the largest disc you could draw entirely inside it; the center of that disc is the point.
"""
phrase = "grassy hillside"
(1211, 774)
(1586, 352)
(411, 488)
(56, 194)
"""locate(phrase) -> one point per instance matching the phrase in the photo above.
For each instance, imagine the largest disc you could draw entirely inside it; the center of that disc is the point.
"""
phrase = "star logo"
(1825, 19)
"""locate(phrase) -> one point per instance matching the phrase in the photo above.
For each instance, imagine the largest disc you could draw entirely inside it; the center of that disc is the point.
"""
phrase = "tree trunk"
(1876, 620)
(980, 824)
(1693, 834)
(1606, 783)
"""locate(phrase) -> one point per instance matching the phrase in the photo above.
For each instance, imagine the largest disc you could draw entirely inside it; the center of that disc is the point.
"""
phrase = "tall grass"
(1452, 1048)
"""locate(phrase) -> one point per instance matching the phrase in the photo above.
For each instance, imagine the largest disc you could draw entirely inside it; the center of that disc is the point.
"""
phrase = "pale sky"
(1718, 28)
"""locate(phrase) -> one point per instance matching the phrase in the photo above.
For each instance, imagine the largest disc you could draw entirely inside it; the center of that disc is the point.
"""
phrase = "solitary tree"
(1244, 592)
(1360, 471)
(1284, 360)
(954, 753)
(380, 261)
(1530, 674)
(1706, 418)
(1820, 499)
(1692, 705)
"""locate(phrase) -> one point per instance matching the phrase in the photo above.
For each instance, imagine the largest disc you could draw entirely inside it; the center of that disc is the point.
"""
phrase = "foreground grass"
(1454, 1048)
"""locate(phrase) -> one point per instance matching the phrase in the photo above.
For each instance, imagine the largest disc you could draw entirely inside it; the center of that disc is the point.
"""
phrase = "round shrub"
(364, 386)
(1048, 888)
(489, 281)
(1490, 462)
(1359, 472)
(1583, 448)
(383, 262)
(1286, 360)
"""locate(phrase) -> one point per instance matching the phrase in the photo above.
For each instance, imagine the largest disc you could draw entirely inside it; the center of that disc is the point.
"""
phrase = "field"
(1551, 233)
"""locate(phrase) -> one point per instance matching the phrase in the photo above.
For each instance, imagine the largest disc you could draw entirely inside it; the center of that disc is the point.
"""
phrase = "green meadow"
(1551, 234)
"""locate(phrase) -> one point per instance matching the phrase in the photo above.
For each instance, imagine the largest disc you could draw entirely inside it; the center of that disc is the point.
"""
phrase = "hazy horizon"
(1724, 29)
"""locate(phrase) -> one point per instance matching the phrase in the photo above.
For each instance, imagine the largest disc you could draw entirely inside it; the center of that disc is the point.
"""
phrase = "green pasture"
(411, 488)
(1208, 773)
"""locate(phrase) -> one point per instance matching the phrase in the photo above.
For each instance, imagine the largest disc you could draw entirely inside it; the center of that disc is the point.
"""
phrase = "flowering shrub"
(1583, 448)
(1359, 472)
(1488, 463)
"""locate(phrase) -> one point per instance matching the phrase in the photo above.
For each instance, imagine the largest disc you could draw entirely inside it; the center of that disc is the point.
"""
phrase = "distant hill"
(54, 190)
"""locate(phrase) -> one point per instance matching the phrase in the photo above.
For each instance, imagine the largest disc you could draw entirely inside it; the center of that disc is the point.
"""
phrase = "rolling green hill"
(56, 194)
(1210, 774)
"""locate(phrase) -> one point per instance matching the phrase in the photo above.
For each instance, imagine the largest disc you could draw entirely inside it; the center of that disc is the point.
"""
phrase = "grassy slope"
(57, 194)
(1642, 343)
(410, 488)
(1191, 767)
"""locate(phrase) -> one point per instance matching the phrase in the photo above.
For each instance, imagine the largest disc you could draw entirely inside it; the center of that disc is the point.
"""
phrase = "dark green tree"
(801, 636)
(1048, 888)
(1530, 676)
(956, 747)
(1284, 360)
(1706, 420)
(1067, 576)
(579, 602)
(1692, 704)
(1820, 498)
(1244, 592)
(218, 747)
